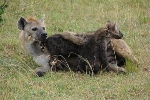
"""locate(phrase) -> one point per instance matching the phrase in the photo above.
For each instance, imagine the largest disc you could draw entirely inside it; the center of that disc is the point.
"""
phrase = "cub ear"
(22, 23)
(108, 24)
(116, 28)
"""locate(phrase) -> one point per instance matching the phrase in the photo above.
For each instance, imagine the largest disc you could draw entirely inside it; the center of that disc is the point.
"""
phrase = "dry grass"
(16, 68)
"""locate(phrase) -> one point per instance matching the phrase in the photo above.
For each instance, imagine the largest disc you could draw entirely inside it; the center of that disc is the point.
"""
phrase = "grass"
(16, 68)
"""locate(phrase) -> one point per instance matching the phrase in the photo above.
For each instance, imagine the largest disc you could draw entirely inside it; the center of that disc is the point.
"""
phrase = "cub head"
(110, 30)
(113, 30)
(32, 28)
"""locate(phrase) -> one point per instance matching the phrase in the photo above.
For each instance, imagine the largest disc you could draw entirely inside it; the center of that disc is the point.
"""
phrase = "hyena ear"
(22, 23)
(108, 24)
(42, 19)
(115, 26)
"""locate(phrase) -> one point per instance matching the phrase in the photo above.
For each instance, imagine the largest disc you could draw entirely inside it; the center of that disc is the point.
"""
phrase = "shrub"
(2, 9)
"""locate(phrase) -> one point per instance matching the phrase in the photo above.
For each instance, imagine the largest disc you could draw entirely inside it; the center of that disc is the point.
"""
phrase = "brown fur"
(57, 45)
(119, 45)
(97, 50)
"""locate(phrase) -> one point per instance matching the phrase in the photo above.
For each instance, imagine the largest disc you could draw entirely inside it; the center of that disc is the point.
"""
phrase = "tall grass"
(17, 81)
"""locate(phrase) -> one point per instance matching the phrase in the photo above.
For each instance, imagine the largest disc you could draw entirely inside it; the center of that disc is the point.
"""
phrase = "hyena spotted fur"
(33, 32)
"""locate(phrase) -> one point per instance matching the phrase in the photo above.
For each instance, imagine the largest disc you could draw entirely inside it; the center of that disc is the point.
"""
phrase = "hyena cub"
(95, 54)
(33, 32)
(118, 46)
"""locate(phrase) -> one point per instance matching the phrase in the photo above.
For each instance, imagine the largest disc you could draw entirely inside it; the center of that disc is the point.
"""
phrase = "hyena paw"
(79, 41)
(71, 37)
(67, 35)
(121, 70)
(39, 74)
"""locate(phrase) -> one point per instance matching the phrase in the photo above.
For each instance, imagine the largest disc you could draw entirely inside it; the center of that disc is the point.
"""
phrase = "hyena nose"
(121, 35)
(43, 35)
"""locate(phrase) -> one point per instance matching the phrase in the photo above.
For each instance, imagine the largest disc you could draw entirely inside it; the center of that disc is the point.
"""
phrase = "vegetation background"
(16, 79)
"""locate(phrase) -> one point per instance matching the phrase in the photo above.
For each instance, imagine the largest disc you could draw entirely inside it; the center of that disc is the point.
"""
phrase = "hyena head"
(113, 31)
(33, 29)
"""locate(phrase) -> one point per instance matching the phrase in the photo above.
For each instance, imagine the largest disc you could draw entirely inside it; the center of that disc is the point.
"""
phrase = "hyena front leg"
(43, 61)
(71, 37)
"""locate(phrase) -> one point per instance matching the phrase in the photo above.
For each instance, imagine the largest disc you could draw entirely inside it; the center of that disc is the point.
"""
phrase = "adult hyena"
(33, 32)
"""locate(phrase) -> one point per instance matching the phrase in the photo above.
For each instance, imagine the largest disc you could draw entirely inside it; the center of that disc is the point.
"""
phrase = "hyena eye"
(43, 28)
(34, 29)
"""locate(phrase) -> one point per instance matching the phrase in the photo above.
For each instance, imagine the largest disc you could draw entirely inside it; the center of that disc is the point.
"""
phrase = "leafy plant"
(2, 9)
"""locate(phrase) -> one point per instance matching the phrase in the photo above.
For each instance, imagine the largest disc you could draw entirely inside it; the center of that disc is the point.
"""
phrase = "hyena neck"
(31, 46)
(34, 49)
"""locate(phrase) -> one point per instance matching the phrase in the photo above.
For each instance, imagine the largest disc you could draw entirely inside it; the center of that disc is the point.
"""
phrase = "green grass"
(17, 81)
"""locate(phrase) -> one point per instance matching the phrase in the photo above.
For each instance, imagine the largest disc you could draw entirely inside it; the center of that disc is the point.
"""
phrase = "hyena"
(58, 45)
(33, 32)
(119, 46)
(97, 51)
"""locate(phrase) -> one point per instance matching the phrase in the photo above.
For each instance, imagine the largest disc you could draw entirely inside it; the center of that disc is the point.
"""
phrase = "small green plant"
(131, 66)
(2, 9)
